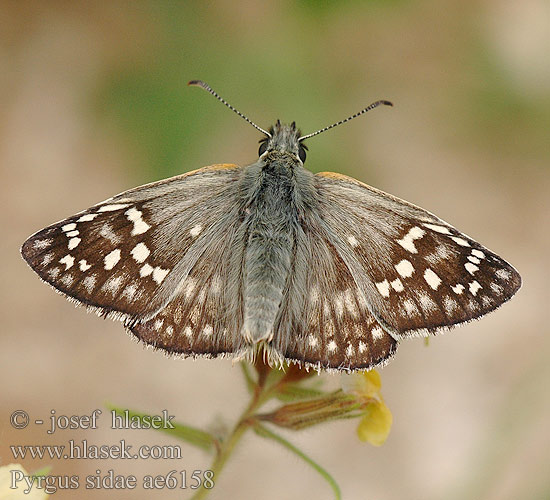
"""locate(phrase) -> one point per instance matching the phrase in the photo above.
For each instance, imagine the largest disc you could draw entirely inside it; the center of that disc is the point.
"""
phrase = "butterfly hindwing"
(326, 323)
(418, 272)
(126, 255)
(205, 316)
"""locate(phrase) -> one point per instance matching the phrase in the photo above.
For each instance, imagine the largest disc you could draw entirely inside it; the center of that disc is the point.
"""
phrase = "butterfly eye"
(302, 154)
(263, 148)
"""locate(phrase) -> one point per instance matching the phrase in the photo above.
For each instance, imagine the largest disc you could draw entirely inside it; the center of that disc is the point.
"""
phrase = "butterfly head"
(283, 138)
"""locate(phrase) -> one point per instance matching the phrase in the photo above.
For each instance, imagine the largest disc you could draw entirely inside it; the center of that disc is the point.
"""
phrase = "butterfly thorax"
(277, 191)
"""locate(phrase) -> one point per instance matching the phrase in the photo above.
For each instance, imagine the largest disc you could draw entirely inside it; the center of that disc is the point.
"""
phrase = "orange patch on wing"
(335, 175)
(216, 166)
(340, 177)
(223, 166)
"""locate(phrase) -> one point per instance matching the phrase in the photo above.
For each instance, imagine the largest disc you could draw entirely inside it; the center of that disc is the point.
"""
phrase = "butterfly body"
(317, 269)
(279, 192)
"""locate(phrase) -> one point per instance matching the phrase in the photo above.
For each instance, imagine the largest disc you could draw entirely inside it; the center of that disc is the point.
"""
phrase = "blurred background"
(94, 101)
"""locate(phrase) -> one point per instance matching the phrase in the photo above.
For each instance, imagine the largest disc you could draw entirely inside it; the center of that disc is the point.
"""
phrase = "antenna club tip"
(196, 83)
(387, 103)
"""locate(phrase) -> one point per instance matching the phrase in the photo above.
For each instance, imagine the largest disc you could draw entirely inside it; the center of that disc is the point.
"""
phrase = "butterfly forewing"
(418, 272)
(126, 255)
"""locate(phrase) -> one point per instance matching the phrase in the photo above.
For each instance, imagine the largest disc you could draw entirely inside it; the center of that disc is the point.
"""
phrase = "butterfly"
(270, 259)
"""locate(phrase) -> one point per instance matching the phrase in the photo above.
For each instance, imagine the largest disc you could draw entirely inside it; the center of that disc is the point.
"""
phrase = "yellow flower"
(375, 426)
(376, 423)
(14, 472)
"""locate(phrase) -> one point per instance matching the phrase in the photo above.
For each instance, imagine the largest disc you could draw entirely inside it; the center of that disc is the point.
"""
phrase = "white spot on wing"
(54, 272)
(189, 286)
(339, 305)
(407, 242)
(432, 279)
(130, 291)
(314, 294)
(111, 259)
(405, 268)
(140, 226)
(397, 285)
(426, 302)
(89, 283)
(352, 240)
(443, 252)
(41, 244)
(140, 252)
(472, 305)
(350, 350)
(107, 232)
(48, 258)
(474, 260)
(67, 279)
(410, 307)
(474, 287)
(460, 241)
(216, 285)
(71, 234)
(159, 274)
(87, 218)
(437, 229)
(69, 227)
(188, 332)
(350, 303)
(450, 305)
(458, 289)
(383, 288)
(84, 266)
(471, 268)
(178, 314)
(207, 330)
(362, 347)
(503, 274)
(478, 253)
(377, 333)
(331, 346)
(145, 270)
(361, 299)
(113, 284)
(195, 230)
(68, 260)
(113, 207)
(73, 243)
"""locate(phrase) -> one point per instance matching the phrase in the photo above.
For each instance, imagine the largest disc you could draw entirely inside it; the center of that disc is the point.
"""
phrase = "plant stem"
(260, 396)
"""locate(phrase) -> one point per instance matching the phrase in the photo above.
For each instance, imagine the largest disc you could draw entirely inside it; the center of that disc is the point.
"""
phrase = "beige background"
(91, 101)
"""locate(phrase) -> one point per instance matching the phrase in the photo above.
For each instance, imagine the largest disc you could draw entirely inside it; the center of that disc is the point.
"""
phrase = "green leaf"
(191, 435)
(266, 433)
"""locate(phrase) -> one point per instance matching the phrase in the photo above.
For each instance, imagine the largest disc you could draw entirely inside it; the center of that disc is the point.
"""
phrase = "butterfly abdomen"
(271, 215)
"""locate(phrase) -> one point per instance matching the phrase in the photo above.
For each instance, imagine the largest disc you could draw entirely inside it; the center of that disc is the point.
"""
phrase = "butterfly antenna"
(208, 88)
(362, 112)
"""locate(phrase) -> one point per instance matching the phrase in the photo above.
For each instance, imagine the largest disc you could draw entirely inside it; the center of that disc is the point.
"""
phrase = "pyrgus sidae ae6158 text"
(318, 269)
